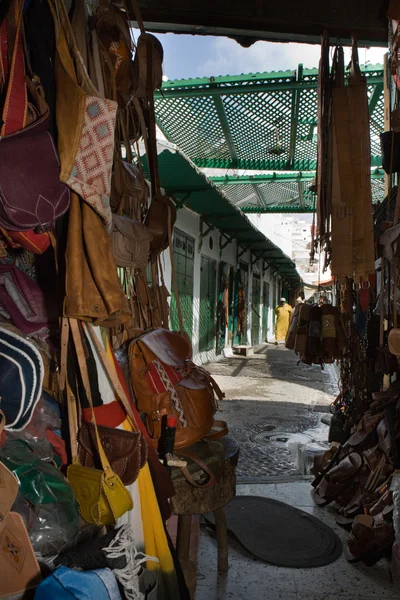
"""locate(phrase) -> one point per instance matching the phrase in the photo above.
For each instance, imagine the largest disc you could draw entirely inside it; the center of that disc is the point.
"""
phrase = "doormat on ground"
(280, 534)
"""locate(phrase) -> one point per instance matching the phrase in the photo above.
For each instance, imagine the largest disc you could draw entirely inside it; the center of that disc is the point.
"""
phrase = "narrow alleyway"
(269, 399)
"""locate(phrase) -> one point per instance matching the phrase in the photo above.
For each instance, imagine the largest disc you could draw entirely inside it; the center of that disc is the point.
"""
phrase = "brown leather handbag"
(131, 242)
(166, 381)
(31, 195)
(126, 451)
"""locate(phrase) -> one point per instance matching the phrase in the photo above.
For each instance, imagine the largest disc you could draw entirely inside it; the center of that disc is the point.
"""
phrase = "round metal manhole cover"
(279, 439)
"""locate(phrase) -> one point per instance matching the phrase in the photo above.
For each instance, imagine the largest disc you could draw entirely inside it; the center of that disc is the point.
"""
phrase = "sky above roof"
(189, 56)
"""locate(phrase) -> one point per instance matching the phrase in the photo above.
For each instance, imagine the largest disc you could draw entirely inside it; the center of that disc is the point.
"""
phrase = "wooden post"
(222, 540)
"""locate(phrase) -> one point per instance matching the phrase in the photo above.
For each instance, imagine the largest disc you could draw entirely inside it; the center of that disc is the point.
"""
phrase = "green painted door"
(255, 310)
(265, 311)
(207, 321)
(240, 305)
(184, 267)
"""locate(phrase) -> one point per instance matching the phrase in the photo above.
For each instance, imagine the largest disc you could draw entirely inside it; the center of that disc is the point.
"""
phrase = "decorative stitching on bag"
(11, 550)
(171, 390)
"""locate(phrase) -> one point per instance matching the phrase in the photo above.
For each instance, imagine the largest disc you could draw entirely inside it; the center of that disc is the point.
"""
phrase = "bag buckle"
(155, 416)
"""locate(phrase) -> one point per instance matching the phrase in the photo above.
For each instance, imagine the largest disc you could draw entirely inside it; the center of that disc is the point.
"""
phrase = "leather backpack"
(167, 382)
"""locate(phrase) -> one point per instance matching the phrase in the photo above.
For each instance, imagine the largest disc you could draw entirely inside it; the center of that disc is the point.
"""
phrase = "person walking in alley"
(283, 314)
(300, 299)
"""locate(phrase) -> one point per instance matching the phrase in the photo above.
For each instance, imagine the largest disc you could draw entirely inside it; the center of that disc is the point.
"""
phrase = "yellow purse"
(101, 495)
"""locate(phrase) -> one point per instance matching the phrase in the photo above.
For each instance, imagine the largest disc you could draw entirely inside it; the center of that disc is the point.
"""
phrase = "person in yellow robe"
(283, 314)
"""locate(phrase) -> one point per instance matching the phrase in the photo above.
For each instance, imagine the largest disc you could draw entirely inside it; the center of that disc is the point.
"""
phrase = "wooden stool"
(190, 500)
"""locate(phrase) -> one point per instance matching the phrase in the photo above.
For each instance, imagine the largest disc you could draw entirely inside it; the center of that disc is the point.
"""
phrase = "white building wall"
(189, 222)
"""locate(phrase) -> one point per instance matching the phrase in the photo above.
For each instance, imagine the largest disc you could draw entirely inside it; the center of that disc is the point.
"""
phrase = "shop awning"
(189, 187)
(260, 122)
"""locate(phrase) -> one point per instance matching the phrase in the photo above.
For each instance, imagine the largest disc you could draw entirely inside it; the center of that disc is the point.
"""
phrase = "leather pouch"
(100, 493)
(18, 565)
(125, 450)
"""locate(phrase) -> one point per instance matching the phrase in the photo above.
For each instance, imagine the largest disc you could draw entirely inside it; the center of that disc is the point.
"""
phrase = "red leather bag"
(31, 194)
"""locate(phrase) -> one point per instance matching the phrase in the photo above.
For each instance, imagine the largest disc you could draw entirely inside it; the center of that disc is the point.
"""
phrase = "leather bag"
(85, 122)
(166, 381)
(100, 493)
(31, 194)
(131, 242)
(126, 450)
(18, 565)
(24, 301)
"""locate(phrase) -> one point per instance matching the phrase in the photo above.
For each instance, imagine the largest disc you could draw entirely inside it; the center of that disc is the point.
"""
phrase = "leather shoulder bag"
(100, 493)
(31, 194)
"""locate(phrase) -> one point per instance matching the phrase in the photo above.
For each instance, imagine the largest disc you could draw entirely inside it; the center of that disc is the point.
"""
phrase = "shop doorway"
(224, 306)
(265, 311)
(208, 283)
(184, 268)
(255, 310)
(240, 306)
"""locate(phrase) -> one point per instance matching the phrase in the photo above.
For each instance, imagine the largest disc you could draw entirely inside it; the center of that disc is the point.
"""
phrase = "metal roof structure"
(247, 22)
(189, 187)
(259, 122)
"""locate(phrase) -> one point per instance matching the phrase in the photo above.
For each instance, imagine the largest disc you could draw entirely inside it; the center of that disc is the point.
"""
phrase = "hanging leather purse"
(100, 493)
(126, 450)
(31, 195)
(131, 242)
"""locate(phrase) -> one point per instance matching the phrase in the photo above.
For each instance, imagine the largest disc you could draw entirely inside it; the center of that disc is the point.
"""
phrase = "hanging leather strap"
(111, 373)
(80, 353)
(2, 421)
(202, 465)
(395, 294)
(16, 101)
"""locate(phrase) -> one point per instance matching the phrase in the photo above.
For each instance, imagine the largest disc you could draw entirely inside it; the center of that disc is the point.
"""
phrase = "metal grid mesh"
(242, 131)
(255, 107)
(271, 195)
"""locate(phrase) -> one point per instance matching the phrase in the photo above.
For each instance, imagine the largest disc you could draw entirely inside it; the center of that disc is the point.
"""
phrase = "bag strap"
(16, 101)
(218, 430)
(395, 294)
(111, 373)
(202, 465)
(80, 353)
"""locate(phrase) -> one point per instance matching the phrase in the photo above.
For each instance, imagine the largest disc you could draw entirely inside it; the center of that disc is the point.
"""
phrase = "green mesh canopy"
(260, 122)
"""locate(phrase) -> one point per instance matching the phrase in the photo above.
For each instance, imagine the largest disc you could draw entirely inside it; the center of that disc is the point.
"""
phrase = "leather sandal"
(326, 462)
(365, 437)
(337, 479)
(366, 501)
(370, 540)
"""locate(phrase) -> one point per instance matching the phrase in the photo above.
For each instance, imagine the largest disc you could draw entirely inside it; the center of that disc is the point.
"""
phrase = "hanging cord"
(122, 546)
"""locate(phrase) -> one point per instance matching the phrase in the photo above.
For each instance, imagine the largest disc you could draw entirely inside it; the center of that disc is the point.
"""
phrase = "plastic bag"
(304, 453)
(45, 500)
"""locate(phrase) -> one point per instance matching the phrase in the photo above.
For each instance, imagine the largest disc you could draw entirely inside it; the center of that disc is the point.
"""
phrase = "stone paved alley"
(269, 399)
(269, 396)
